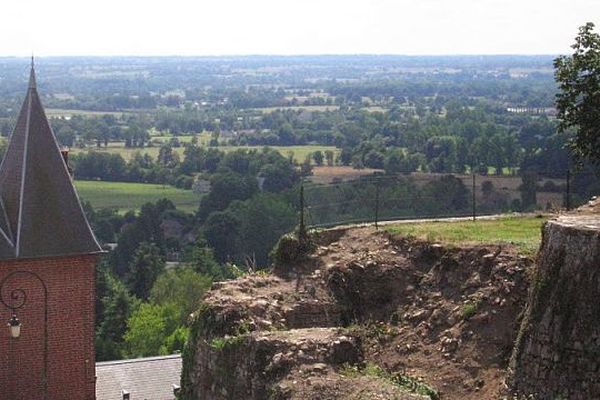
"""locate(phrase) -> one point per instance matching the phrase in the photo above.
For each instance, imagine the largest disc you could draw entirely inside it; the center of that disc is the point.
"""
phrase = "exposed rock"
(393, 302)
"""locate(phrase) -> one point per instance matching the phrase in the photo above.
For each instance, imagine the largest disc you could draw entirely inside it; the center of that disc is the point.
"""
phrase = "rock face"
(557, 351)
(367, 316)
(244, 367)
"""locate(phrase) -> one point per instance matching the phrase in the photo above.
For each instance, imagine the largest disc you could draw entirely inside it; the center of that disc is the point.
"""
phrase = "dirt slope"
(369, 316)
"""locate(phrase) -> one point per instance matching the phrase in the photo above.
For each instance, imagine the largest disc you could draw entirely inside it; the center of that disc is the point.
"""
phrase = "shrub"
(469, 310)
(291, 249)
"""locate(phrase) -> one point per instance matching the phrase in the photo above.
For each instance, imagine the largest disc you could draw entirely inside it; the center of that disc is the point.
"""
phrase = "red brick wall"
(70, 330)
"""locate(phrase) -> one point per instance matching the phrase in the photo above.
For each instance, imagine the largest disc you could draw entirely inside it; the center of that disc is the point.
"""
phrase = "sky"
(241, 27)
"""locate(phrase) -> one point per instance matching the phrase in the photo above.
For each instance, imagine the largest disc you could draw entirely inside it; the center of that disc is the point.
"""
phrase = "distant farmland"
(318, 108)
(300, 152)
(64, 113)
(125, 196)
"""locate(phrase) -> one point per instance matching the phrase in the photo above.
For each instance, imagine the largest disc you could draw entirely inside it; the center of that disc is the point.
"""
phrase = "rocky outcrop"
(366, 316)
(558, 348)
(245, 366)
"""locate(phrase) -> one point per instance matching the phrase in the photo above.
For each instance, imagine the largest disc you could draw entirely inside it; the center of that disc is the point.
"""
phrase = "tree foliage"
(117, 305)
(149, 329)
(182, 287)
(144, 269)
(578, 101)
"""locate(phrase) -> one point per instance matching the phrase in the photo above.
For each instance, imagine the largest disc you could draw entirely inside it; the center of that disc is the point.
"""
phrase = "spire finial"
(32, 83)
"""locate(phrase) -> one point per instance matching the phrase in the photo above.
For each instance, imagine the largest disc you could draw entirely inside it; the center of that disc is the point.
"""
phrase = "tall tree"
(578, 101)
(148, 329)
(117, 305)
(221, 231)
(318, 157)
(180, 286)
(146, 266)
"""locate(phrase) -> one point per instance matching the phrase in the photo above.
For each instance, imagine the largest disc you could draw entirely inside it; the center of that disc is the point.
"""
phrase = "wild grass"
(405, 382)
(522, 232)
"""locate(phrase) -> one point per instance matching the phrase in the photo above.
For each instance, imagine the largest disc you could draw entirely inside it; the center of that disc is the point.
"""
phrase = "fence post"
(301, 227)
(376, 204)
(474, 204)
(568, 194)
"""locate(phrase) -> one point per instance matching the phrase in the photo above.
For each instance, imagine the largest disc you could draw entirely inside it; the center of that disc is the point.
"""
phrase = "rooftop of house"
(40, 212)
(154, 378)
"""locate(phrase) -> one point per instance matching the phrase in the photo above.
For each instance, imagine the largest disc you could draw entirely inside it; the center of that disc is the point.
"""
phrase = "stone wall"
(247, 366)
(556, 354)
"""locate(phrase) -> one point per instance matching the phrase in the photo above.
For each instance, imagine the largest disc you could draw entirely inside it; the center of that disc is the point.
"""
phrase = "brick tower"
(47, 257)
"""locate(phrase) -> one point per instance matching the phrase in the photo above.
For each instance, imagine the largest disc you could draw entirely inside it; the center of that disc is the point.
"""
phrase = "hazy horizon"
(37, 56)
(292, 27)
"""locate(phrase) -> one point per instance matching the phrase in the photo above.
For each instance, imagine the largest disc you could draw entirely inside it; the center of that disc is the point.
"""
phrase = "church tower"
(47, 258)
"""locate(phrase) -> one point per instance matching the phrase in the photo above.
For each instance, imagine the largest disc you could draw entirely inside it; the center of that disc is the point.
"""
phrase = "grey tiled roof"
(144, 378)
(40, 213)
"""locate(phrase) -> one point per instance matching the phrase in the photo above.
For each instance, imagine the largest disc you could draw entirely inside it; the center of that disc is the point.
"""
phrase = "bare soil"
(444, 316)
(326, 174)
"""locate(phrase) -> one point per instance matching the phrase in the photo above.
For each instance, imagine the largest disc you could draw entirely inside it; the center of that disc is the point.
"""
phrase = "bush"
(290, 250)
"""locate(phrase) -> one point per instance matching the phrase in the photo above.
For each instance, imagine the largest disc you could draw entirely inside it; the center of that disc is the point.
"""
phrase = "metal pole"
(302, 227)
(376, 205)
(568, 194)
(474, 203)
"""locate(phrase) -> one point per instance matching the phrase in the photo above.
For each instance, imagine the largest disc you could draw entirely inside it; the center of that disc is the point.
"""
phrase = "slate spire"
(40, 212)
(32, 82)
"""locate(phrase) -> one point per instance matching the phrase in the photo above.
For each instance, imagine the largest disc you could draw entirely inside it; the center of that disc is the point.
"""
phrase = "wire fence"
(376, 198)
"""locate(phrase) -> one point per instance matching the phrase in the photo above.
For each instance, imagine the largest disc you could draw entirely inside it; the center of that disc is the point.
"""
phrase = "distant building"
(47, 258)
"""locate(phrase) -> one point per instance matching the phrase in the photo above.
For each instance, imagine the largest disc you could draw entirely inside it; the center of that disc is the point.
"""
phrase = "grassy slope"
(131, 196)
(523, 232)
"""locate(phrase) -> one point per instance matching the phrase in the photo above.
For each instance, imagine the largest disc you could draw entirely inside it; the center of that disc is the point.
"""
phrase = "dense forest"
(224, 127)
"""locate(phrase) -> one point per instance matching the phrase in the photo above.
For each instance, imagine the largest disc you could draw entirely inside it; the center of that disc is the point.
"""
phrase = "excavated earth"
(440, 317)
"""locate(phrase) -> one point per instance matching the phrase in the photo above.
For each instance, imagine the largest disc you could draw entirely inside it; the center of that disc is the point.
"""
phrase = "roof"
(144, 378)
(40, 212)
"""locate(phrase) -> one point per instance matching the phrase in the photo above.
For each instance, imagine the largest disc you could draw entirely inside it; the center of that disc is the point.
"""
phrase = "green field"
(63, 113)
(523, 232)
(203, 137)
(125, 152)
(126, 196)
(300, 152)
